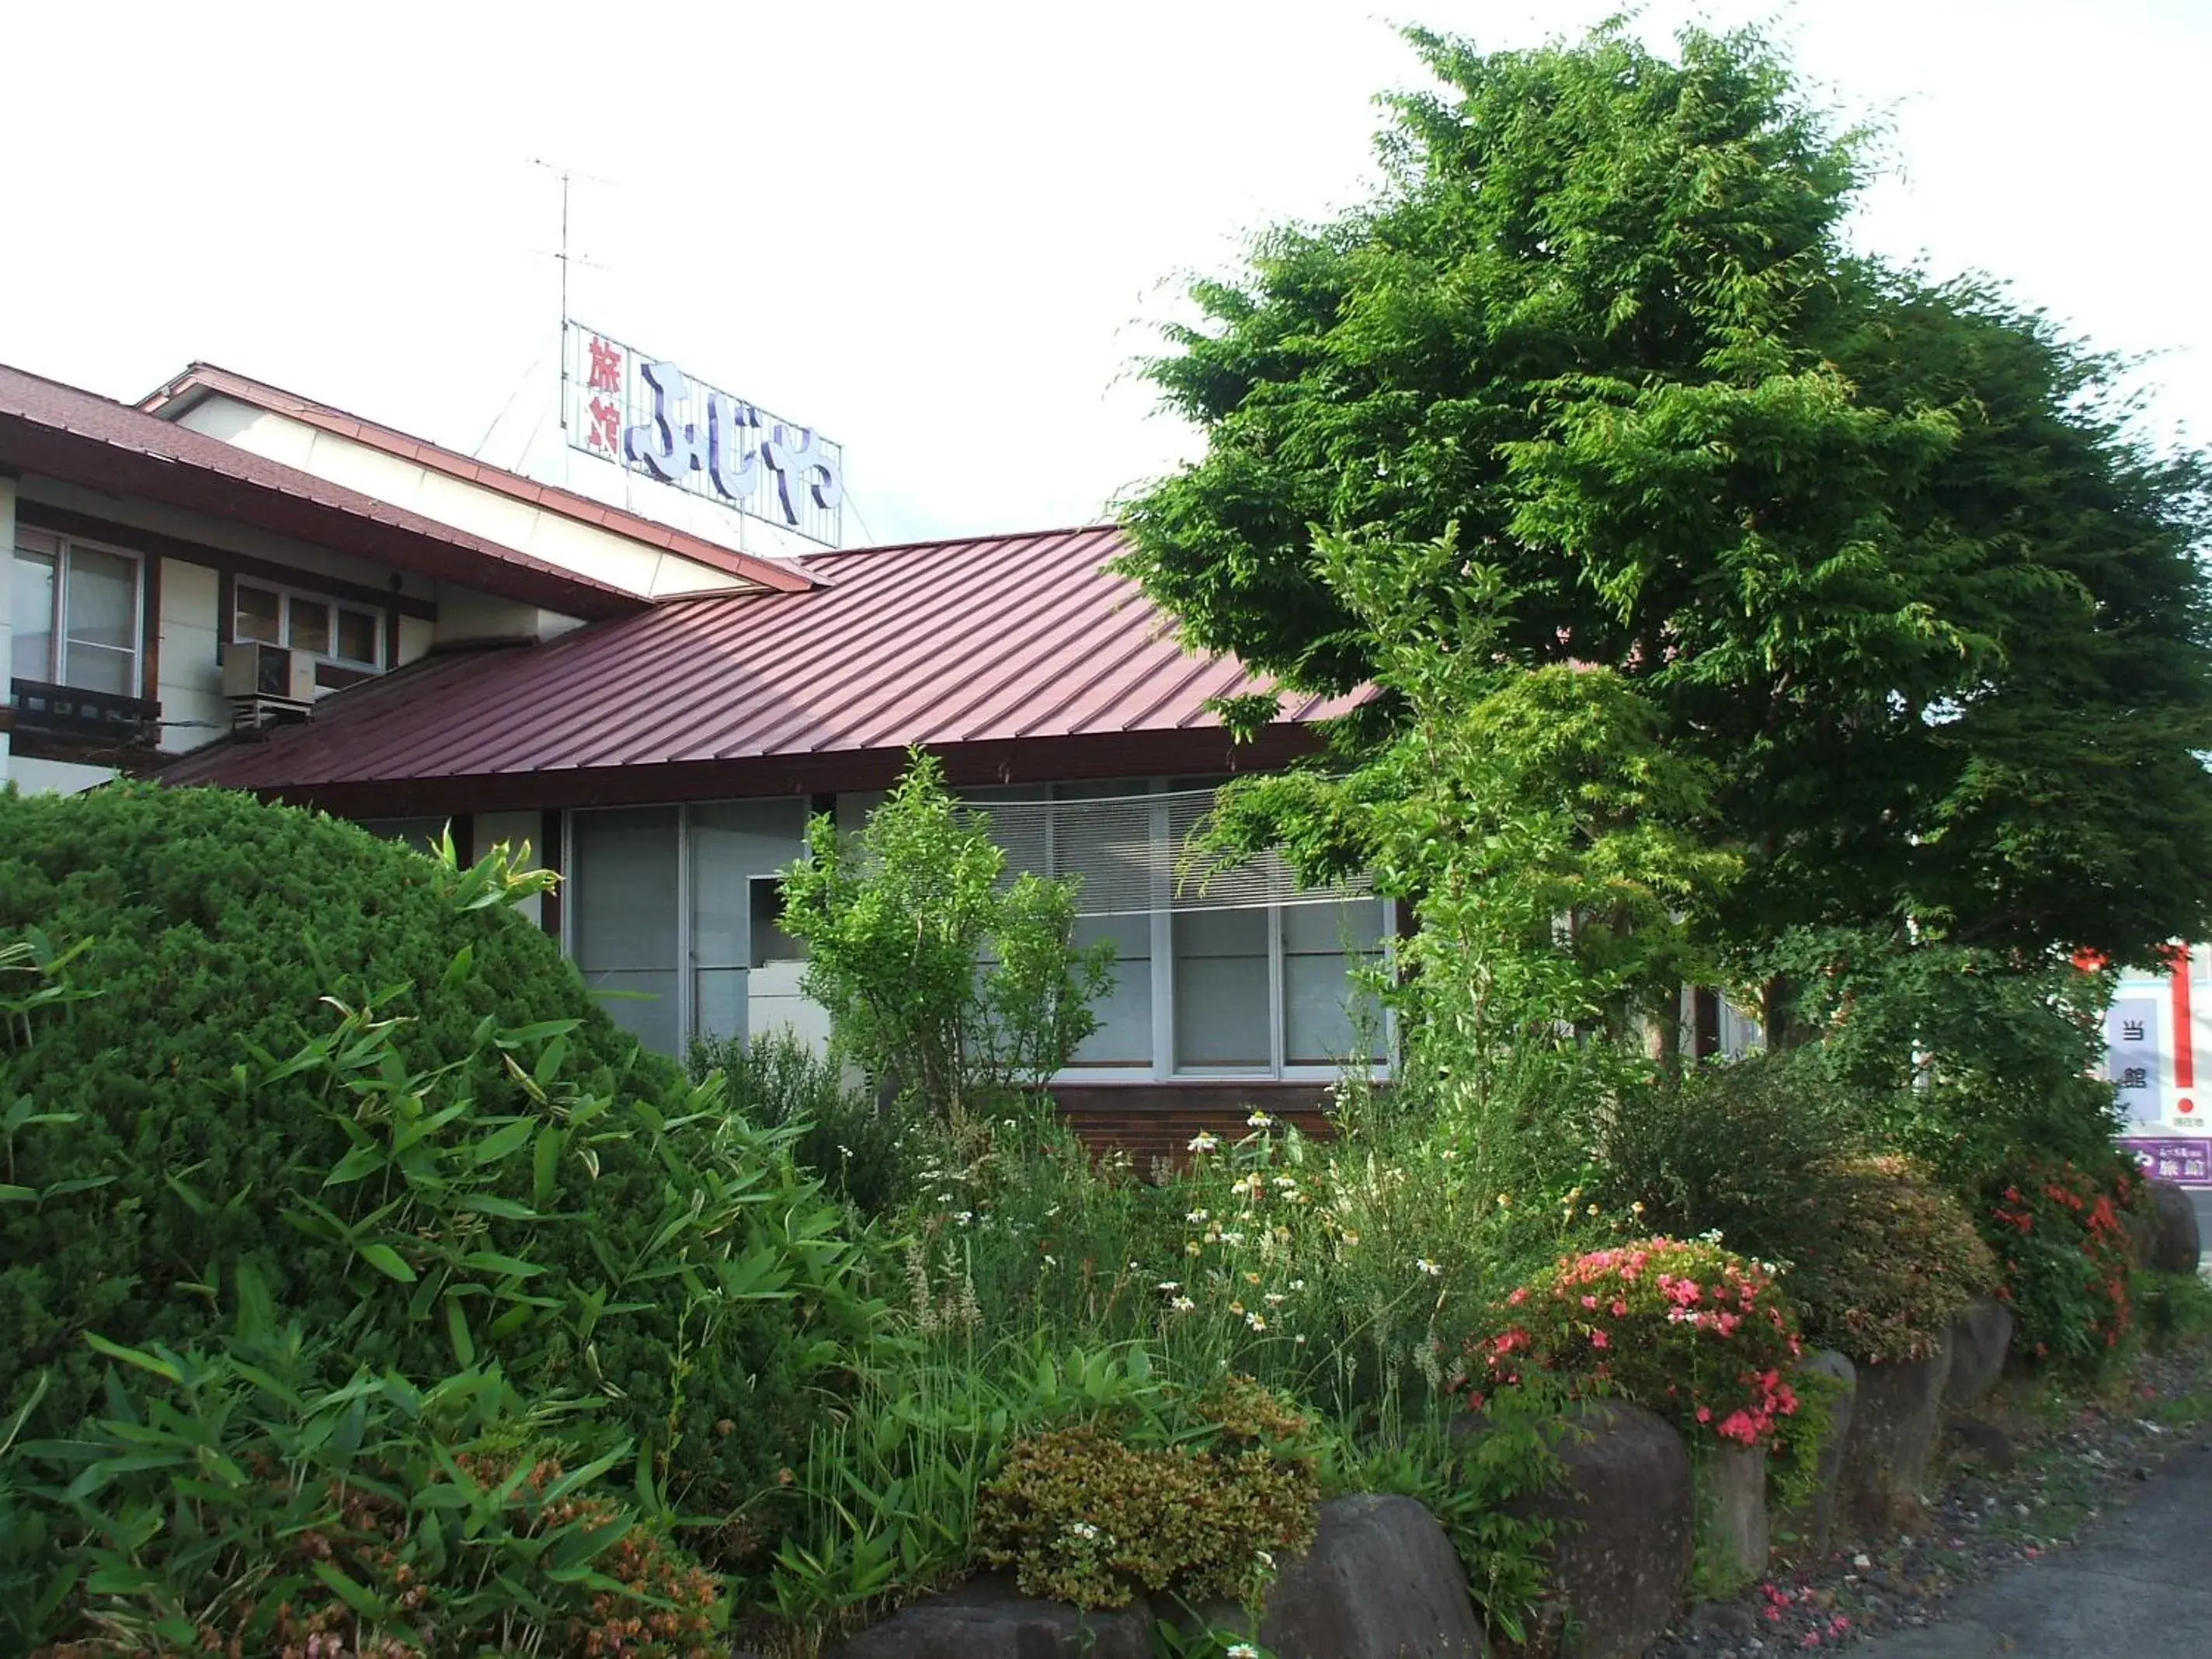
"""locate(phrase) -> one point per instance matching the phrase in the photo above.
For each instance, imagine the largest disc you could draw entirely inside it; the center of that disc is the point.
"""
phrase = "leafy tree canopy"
(1884, 551)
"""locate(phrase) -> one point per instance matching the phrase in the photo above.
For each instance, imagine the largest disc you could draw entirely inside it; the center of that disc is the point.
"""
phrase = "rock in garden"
(1894, 1421)
(2174, 1245)
(1817, 1519)
(1381, 1582)
(1621, 1563)
(1736, 1501)
(1980, 1339)
(988, 1618)
(1991, 1445)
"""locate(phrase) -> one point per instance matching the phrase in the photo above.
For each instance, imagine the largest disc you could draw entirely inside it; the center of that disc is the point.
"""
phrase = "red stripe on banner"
(2185, 1039)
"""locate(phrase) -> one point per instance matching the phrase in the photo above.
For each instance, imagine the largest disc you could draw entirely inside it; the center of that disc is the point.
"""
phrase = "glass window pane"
(1332, 929)
(769, 942)
(100, 603)
(1124, 1037)
(1326, 1014)
(310, 621)
(97, 668)
(642, 1004)
(720, 1002)
(31, 597)
(358, 631)
(623, 892)
(1221, 991)
(732, 843)
(259, 616)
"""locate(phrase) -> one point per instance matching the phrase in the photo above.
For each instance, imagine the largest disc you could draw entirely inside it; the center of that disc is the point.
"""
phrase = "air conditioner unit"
(268, 673)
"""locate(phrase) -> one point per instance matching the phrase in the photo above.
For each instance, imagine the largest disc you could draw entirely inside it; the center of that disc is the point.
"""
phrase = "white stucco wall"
(189, 682)
(60, 777)
(586, 549)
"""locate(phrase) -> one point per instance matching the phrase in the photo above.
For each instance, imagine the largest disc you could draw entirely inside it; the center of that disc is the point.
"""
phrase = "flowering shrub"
(1685, 1329)
(1083, 1516)
(2059, 1230)
(1894, 1262)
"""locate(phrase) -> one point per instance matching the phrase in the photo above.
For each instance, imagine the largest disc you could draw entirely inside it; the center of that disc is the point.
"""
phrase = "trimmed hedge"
(212, 926)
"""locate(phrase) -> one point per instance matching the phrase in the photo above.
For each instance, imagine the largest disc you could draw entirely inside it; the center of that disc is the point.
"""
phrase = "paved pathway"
(2139, 1586)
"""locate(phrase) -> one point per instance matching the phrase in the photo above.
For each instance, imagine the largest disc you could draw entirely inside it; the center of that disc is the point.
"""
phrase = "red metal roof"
(61, 432)
(179, 394)
(987, 641)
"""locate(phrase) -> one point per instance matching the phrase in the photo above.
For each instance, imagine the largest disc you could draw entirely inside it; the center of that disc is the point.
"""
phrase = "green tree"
(936, 974)
(1550, 846)
(1884, 552)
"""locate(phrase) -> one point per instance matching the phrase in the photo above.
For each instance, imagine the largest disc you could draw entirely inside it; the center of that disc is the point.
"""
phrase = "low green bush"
(298, 1048)
(2059, 1232)
(868, 1152)
(1893, 1264)
(229, 1499)
(1748, 1148)
(2174, 1310)
(1695, 1332)
(1083, 1516)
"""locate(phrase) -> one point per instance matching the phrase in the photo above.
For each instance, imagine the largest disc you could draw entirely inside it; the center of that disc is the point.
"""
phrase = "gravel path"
(1984, 1519)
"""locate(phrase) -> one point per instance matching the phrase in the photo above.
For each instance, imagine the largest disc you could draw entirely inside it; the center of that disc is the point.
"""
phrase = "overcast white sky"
(934, 231)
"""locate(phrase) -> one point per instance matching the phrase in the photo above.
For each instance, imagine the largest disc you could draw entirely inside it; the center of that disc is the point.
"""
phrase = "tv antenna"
(568, 178)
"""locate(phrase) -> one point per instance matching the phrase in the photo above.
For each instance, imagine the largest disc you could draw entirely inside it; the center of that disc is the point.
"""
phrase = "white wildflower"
(1261, 1120)
(1182, 1305)
(1195, 1217)
(1432, 1269)
(1083, 1530)
(1255, 1321)
(1203, 1142)
(1167, 1287)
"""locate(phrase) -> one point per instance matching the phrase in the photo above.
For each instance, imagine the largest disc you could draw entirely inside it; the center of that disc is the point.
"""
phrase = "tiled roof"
(205, 378)
(78, 437)
(986, 640)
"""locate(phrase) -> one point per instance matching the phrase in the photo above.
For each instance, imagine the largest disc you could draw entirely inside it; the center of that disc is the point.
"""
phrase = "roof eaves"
(203, 379)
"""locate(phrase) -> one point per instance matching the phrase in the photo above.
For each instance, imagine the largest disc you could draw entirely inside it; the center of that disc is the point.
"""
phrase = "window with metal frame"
(666, 916)
(1232, 971)
(79, 614)
(670, 908)
(333, 630)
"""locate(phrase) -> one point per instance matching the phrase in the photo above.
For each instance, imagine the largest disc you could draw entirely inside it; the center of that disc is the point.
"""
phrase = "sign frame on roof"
(645, 415)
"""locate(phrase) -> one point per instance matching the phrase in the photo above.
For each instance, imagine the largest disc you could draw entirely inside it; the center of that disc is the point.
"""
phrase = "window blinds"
(1134, 853)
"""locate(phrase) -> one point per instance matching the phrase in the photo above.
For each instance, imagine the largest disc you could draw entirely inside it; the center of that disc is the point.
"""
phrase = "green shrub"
(1689, 1330)
(467, 1161)
(937, 974)
(1894, 1263)
(868, 1153)
(230, 1500)
(2175, 1309)
(1747, 1148)
(2058, 1230)
(1084, 1516)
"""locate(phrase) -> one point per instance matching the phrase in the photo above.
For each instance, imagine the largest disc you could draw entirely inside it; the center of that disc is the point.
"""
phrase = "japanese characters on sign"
(2156, 1024)
(647, 416)
(2131, 1048)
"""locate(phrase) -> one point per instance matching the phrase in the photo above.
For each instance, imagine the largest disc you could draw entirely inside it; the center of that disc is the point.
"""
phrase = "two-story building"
(656, 713)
